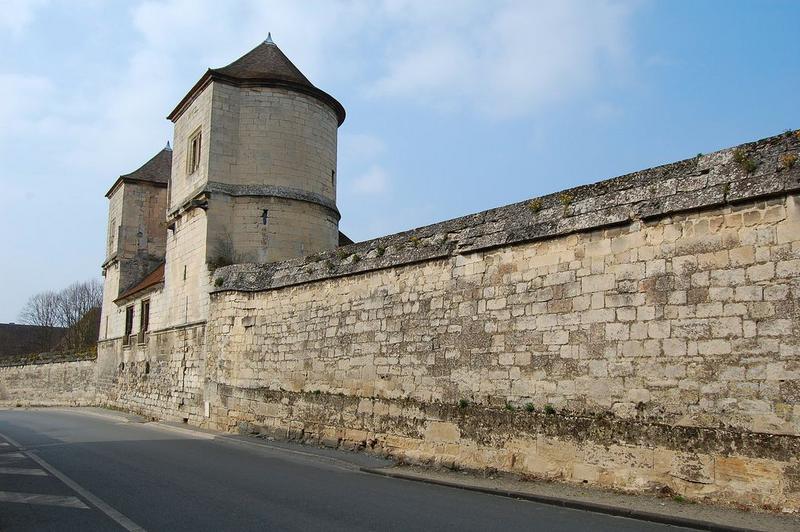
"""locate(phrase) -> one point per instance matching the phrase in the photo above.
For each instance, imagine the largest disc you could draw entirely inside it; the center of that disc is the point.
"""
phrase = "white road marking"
(101, 505)
(47, 500)
(22, 471)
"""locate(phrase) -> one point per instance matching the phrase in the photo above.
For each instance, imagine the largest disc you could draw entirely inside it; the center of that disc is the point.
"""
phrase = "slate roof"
(265, 61)
(157, 171)
(263, 66)
(151, 279)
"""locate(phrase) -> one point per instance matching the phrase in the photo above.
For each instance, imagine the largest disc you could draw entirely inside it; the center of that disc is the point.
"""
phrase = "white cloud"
(505, 59)
(374, 182)
(16, 15)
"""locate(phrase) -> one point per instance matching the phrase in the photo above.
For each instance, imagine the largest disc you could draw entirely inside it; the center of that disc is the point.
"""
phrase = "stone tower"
(253, 174)
(135, 243)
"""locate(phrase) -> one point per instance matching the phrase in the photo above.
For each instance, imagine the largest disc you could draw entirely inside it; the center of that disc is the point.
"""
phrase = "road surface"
(63, 469)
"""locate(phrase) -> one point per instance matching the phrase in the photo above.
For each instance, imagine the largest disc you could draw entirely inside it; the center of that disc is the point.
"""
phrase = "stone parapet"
(756, 170)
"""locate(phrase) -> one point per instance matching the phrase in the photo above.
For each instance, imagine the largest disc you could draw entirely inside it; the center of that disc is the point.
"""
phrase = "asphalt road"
(70, 470)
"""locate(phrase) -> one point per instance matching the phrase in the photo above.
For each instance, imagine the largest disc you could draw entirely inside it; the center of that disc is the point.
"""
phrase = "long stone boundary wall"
(48, 379)
(640, 333)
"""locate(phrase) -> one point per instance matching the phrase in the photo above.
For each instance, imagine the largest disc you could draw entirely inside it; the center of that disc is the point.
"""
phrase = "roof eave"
(125, 179)
(213, 75)
(124, 298)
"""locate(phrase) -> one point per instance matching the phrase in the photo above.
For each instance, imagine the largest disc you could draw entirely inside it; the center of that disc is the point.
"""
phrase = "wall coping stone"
(47, 358)
(702, 182)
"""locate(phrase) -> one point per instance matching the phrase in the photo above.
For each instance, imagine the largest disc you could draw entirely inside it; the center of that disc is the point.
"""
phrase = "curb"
(574, 504)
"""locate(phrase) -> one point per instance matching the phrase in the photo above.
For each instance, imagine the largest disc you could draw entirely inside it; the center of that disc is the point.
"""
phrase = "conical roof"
(265, 61)
(157, 171)
(263, 66)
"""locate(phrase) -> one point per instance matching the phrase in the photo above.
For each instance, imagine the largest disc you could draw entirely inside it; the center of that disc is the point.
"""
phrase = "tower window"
(333, 178)
(265, 217)
(193, 152)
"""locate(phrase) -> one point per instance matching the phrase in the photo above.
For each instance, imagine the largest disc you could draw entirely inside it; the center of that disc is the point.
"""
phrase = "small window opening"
(184, 272)
(193, 152)
(128, 324)
(144, 317)
(333, 177)
(265, 217)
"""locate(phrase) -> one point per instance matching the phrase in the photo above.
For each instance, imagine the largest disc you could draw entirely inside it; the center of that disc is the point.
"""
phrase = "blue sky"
(453, 107)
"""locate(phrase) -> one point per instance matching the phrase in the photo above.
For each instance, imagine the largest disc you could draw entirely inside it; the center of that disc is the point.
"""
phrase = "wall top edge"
(765, 168)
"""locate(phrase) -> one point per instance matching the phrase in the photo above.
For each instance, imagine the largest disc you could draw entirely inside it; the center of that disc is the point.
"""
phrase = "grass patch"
(535, 205)
(463, 403)
(744, 161)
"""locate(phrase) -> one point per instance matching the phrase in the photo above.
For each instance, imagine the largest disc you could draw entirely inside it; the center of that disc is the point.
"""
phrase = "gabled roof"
(156, 171)
(150, 280)
(263, 66)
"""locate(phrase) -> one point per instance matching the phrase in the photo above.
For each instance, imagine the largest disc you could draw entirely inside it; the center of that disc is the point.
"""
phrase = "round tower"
(255, 149)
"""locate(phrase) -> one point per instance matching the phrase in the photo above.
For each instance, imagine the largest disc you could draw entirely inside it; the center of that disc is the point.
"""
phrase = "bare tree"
(77, 308)
(77, 299)
(42, 310)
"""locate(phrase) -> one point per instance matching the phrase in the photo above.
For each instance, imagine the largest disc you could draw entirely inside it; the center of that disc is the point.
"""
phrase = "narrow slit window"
(193, 152)
(333, 178)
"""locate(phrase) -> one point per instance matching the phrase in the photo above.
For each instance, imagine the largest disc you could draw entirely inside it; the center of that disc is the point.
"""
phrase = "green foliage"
(549, 409)
(414, 241)
(678, 498)
(329, 265)
(529, 407)
(510, 407)
(566, 201)
(316, 392)
(535, 205)
(219, 281)
(463, 403)
(380, 250)
(341, 254)
(744, 161)
(356, 258)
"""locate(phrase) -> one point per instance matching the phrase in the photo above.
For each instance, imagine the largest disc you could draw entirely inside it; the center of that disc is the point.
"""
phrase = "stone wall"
(48, 380)
(639, 333)
(163, 377)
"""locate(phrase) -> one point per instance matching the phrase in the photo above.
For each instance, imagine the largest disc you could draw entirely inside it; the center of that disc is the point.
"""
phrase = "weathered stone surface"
(48, 379)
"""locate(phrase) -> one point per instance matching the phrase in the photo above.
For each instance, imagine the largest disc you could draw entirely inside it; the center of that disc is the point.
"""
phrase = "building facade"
(251, 178)
(639, 333)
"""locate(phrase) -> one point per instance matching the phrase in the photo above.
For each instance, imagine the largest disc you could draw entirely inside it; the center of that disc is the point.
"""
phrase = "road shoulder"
(644, 507)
